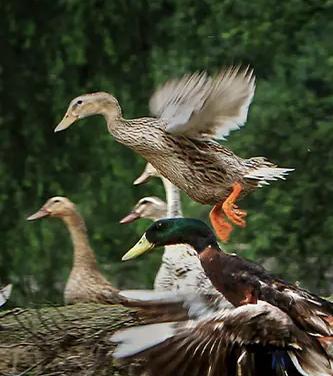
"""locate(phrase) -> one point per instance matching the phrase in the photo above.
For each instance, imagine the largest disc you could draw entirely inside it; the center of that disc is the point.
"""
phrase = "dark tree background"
(52, 51)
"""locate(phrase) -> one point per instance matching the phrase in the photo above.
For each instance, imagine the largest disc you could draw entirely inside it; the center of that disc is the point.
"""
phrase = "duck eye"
(79, 101)
(56, 201)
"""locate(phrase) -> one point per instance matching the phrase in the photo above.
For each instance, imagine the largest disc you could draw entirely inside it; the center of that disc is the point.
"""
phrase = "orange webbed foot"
(231, 210)
(222, 228)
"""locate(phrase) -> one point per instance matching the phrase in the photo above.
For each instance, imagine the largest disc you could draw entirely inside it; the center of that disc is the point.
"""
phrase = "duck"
(85, 283)
(180, 269)
(262, 304)
(5, 293)
(180, 139)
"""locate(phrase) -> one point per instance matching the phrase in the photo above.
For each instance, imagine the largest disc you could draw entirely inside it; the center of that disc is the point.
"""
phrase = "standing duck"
(180, 269)
(85, 283)
(190, 114)
(269, 313)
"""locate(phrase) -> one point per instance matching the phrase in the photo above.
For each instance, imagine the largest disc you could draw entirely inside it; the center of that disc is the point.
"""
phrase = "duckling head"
(99, 103)
(148, 207)
(57, 206)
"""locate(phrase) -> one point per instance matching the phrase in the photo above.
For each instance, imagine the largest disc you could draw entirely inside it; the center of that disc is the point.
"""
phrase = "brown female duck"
(179, 142)
(85, 283)
(271, 314)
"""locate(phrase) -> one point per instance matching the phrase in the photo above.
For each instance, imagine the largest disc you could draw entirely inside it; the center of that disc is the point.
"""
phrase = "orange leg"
(220, 225)
(231, 210)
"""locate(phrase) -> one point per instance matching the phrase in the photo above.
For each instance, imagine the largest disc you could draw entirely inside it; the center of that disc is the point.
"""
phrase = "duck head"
(149, 208)
(100, 103)
(54, 207)
(174, 231)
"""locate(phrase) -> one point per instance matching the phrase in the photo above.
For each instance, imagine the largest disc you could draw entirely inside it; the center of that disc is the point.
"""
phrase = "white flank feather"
(133, 341)
(4, 294)
(266, 174)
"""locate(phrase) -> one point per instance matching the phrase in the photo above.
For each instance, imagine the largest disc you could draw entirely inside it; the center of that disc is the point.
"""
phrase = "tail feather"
(266, 174)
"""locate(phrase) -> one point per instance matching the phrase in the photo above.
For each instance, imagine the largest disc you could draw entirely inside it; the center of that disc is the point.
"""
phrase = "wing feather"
(199, 106)
(249, 338)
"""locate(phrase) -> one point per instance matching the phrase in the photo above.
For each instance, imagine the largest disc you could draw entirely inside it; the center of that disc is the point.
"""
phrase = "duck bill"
(143, 178)
(66, 122)
(40, 214)
(142, 246)
(129, 218)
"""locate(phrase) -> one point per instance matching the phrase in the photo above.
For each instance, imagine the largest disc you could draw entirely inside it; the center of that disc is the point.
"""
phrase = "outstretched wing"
(309, 311)
(254, 339)
(176, 304)
(199, 106)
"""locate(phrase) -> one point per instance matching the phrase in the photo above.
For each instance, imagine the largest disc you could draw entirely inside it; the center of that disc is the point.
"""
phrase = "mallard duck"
(179, 141)
(245, 284)
(85, 283)
(180, 269)
(5, 294)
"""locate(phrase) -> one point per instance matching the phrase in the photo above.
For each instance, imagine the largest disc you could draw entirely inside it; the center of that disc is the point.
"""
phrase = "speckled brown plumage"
(85, 283)
(190, 113)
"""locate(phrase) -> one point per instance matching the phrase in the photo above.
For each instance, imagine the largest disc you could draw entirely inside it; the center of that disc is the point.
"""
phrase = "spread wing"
(173, 305)
(309, 311)
(312, 313)
(249, 340)
(199, 106)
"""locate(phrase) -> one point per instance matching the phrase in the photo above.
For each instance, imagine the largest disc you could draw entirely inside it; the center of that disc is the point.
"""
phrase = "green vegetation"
(51, 51)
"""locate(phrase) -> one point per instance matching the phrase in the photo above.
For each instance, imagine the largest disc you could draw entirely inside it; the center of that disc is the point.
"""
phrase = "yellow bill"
(66, 122)
(142, 246)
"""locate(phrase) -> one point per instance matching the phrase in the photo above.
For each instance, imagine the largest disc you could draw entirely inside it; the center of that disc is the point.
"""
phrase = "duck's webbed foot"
(227, 209)
(222, 228)
(231, 210)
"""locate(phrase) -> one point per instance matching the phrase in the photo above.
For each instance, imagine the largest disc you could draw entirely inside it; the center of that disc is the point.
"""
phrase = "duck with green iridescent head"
(190, 114)
(268, 314)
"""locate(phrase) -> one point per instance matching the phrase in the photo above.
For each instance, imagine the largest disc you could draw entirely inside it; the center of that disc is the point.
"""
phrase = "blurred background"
(54, 50)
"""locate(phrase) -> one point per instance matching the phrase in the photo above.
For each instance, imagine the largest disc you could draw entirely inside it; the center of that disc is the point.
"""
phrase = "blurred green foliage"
(52, 51)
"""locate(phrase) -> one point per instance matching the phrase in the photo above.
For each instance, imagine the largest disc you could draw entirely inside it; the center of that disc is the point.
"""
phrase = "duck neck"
(83, 254)
(136, 134)
(174, 208)
(112, 114)
(212, 260)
